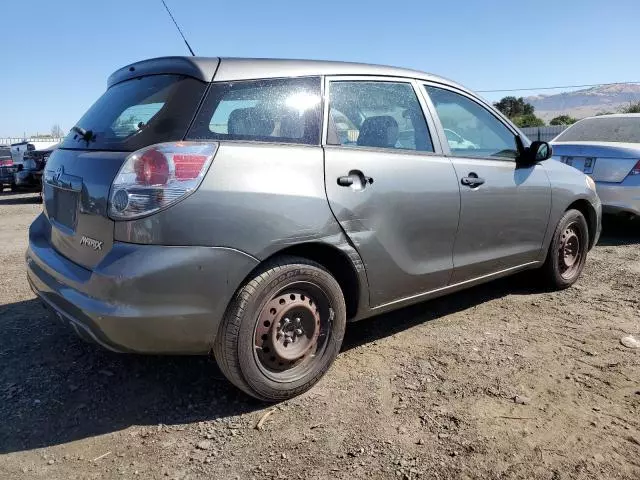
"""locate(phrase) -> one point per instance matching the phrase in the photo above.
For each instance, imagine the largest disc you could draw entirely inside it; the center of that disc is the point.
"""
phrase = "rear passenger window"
(275, 110)
(377, 114)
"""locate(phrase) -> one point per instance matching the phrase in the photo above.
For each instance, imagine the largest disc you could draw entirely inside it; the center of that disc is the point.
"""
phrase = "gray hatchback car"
(254, 207)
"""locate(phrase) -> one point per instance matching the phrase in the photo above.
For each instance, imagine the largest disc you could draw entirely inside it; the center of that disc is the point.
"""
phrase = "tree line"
(522, 113)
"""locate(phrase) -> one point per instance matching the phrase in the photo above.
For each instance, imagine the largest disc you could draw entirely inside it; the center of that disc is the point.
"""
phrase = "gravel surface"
(501, 381)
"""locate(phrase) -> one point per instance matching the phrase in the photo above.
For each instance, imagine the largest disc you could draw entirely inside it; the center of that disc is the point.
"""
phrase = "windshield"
(137, 113)
(603, 129)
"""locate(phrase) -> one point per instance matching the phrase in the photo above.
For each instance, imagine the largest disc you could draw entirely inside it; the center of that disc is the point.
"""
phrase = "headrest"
(381, 131)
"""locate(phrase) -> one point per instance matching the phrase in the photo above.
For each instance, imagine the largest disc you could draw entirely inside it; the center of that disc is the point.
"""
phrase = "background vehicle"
(7, 168)
(18, 151)
(607, 148)
(301, 196)
(28, 174)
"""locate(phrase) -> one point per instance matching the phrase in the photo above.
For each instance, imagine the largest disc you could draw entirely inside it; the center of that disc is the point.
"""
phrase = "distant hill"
(585, 103)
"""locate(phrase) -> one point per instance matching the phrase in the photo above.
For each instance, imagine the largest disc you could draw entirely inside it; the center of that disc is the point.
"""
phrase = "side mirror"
(534, 153)
(539, 151)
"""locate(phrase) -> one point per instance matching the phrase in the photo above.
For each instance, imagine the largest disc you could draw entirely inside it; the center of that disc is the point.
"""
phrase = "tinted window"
(603, 129)
(139, 112)
(471, 130)
(275, 110)
(377, 114)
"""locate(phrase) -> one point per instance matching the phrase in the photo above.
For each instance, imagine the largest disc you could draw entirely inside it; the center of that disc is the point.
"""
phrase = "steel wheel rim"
(286, 351)
(569, 252)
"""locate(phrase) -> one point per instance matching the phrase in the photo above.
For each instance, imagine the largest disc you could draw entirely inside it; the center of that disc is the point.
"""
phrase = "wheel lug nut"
(298, 331)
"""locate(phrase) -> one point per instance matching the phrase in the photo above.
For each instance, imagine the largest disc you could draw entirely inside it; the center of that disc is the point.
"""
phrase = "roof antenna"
(178, 27)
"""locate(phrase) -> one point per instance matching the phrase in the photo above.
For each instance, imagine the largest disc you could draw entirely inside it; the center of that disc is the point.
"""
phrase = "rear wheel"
(283, 330)
(567, 252)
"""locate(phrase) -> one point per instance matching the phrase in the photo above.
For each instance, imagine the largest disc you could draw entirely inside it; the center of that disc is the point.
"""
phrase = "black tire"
(236, 348)
(567, 251)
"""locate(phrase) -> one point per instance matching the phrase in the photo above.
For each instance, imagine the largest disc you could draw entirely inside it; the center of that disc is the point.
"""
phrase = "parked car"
(7, 169)
(19, 150)
(29, 173)
(607, 148)
(206, 204)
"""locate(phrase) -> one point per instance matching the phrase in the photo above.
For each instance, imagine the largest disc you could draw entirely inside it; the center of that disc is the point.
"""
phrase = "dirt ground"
(501, 381)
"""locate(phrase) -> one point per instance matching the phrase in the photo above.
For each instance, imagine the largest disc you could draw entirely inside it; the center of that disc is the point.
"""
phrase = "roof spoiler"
(197, 67)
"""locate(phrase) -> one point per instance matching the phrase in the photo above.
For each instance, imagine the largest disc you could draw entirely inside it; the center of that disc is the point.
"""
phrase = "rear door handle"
(472, 180)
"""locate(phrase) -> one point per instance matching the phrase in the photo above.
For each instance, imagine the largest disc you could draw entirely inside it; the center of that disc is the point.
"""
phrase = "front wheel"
(567, 252)
(283, 330)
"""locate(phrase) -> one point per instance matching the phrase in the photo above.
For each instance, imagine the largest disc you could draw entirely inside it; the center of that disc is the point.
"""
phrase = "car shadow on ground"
(55, 388)
(19, 198)
(381, 326)
(617, 230)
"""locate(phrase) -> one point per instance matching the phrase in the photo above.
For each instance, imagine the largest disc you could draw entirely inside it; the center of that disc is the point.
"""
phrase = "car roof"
(234, 69)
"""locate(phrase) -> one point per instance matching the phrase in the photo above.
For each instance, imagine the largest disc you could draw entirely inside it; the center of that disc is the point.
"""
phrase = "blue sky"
(56, 55)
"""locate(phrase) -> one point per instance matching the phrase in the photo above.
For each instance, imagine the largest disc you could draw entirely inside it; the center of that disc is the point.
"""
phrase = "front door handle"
(355, 179)
(472, 180)
(345, 181)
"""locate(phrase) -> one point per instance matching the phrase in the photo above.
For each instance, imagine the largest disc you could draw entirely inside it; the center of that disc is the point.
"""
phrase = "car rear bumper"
(6, 176)
(140, 298)
(620, 197)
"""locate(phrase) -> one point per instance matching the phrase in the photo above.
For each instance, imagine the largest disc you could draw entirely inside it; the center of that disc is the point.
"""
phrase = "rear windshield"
(138, 112)
(603, 129)
(272, 110)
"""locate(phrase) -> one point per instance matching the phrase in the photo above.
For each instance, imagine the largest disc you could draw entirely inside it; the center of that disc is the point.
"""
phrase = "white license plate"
(584, 164)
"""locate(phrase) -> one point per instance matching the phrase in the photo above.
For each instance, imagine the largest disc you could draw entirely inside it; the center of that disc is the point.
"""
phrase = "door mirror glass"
(539, 151)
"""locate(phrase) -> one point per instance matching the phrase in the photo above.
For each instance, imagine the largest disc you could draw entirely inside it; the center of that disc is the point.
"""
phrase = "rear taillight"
(152, 168)
(6, 163)
(158, 176)
(635, 170)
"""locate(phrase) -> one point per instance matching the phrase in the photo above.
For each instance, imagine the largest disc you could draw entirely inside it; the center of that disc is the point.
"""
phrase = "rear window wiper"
(86, 135)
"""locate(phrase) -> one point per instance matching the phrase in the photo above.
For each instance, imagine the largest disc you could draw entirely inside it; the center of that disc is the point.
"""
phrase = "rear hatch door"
(130, 115)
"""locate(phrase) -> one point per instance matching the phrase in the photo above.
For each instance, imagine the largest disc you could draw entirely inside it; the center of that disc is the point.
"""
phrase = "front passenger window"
(471, 130)
(377, 115)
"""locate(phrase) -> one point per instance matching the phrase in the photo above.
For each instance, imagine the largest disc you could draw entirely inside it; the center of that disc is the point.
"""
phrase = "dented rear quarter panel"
(258, 198)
